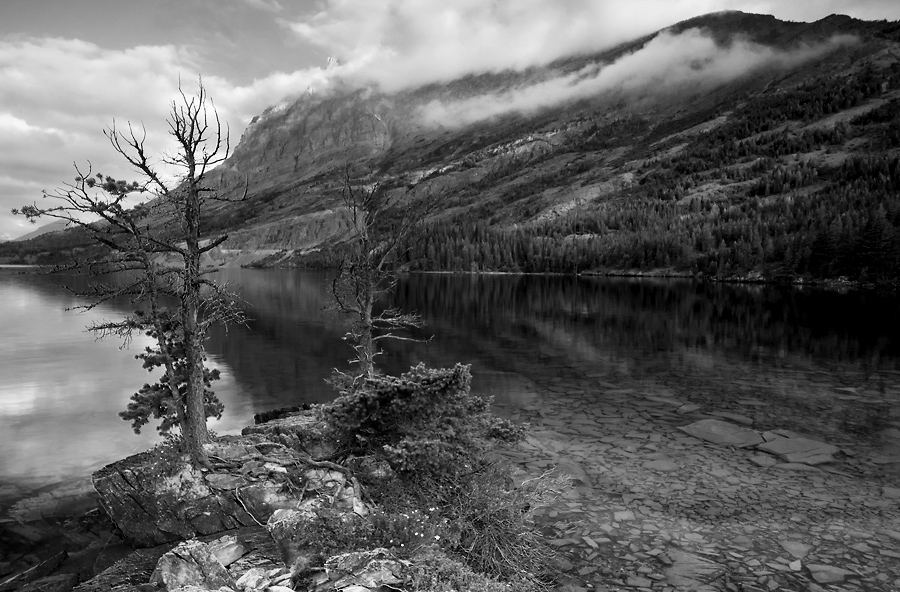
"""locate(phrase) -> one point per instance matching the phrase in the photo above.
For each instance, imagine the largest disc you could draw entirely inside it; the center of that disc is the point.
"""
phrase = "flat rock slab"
(826, 574)
(664, 399)
(797, 549)
(735, 417)
(762, 460)
(722, 432)
(688, 408)
(665, 466)
(690, 571)
(796, 467)
(800, 450)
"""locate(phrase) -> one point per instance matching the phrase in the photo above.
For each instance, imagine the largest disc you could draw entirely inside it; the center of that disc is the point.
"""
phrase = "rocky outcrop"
(191, 563)
(193, 566)
(154, 504)
(364, 571)
(155, 498)
(134, 571)
(300, 431)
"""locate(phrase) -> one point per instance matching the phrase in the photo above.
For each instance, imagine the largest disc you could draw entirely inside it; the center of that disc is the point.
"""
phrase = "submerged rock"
(797, 549)
(800, 450)
(827, 574)
(736, 417)
(31, 574)
(722, 432)
(689, 571)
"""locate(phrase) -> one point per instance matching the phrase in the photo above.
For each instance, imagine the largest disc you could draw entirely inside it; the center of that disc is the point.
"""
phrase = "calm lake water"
(824, 360)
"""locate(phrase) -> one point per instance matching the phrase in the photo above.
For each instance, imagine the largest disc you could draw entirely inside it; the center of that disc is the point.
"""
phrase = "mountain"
(728, 145)
(57, 226)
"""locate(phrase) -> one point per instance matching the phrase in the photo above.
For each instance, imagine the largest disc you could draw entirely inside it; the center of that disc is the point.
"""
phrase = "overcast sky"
(68, 67)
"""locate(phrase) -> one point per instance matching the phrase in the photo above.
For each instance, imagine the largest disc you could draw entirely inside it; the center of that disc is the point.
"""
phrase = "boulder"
(800, 450)
(132, 573)
(227, 549)
(722, 432)
(362, 570)
(288, 527)
(153, 505)
(191, 563)
(255, 578)
(302, 432)
(265, 497)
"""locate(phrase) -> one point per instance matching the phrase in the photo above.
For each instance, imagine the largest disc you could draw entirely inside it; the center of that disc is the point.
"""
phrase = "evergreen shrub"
(425, 421)
(447, 502)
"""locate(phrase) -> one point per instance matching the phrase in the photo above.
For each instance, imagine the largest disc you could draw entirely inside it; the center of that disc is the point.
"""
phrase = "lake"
(824, 360)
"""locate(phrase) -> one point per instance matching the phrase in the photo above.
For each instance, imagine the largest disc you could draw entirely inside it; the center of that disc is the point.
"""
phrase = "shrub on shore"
(447, 502)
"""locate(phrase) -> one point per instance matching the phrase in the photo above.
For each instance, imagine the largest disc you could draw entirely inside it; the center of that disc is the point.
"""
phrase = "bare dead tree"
(138, 239)
(379, 225)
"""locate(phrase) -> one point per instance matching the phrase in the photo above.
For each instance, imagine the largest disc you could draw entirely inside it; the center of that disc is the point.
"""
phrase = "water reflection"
(663, 315)
(56, 385)
(792, 350)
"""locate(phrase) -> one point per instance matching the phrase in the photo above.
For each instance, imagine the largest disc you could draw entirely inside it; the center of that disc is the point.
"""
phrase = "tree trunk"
(367, 343)
(196, 434)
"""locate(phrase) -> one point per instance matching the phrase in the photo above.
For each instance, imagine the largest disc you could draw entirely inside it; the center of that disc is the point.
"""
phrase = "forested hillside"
(786, 169)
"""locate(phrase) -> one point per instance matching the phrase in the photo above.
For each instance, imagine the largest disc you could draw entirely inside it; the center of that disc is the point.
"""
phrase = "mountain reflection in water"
(820, 359)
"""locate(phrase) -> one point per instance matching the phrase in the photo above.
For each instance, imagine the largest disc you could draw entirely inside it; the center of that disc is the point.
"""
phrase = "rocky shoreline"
(652, 507)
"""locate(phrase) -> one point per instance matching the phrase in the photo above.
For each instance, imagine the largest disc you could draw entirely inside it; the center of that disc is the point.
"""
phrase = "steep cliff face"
(312, 133)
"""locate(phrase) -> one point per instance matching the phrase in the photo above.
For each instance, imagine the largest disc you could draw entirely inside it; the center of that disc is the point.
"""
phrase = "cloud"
(407, 43)
(690, 60)
(60, 94)
(269, 5)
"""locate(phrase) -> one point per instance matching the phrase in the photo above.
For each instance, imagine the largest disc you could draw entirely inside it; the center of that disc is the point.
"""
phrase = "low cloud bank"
(668, 62)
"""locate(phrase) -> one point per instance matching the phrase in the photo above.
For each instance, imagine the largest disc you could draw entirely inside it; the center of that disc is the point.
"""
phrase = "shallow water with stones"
(605, 370)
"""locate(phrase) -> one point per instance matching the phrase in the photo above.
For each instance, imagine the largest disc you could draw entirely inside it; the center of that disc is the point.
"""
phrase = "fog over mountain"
(668, 63)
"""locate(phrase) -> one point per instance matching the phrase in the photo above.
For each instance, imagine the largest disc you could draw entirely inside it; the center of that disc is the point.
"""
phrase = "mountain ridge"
(626, 128)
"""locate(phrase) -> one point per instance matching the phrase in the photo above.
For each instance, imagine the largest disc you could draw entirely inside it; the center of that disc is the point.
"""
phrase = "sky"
(68, 68)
